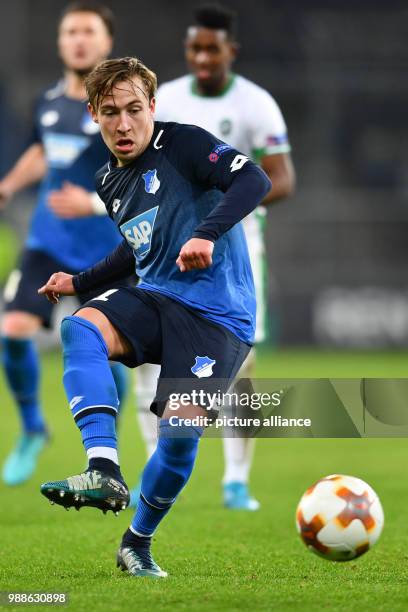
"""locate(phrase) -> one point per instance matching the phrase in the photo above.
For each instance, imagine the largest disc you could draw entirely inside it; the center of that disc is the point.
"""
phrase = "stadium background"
(338, 255)
(337, 250)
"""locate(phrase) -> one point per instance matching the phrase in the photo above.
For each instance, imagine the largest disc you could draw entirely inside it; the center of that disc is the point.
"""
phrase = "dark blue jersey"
(162, 199)
(74, 151)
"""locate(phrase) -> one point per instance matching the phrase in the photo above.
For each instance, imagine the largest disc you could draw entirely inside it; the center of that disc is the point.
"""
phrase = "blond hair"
(101, 81)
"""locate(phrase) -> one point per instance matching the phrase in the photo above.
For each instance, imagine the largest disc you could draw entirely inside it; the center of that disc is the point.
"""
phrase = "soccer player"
(70, 229)
(238, 111)
(177, 194)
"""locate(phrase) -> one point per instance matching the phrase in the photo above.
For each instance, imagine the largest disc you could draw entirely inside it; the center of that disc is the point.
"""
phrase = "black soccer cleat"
(92, 488)
(138, 562)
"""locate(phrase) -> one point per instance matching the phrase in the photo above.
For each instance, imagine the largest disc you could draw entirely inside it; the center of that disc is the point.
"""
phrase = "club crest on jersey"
(139, 231)
(203, 367)
(151, 180)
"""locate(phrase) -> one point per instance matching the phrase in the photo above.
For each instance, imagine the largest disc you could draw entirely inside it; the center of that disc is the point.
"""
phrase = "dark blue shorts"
(34, 269)
(194, 353)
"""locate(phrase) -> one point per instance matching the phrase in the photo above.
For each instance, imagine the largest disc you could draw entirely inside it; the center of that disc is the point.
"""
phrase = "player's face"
(209, 55)
(83, 41)
(126, 119)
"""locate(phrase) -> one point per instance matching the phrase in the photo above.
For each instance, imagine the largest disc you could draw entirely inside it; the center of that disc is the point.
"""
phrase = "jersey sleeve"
(214, 164)
(206, 159)
(35, 136)
(267, 127)
(119, 264)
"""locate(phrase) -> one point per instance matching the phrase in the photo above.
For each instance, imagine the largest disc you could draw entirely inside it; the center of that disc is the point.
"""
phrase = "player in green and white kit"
(245, 116)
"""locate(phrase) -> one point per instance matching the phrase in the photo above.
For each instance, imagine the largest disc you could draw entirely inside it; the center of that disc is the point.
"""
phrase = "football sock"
(238, 453)
(165, 474)
(120, 375)
(148, 424)
(146, 383)
(22, 369)
(107, 466)
(132, 540)
(90, 387)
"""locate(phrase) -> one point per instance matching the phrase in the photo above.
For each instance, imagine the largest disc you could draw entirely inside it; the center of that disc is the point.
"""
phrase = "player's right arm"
(30, 168)
(119, 264)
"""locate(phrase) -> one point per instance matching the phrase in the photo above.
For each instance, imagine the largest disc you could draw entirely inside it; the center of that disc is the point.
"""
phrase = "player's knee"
(80, 336)
(178, 444)
(20, 325)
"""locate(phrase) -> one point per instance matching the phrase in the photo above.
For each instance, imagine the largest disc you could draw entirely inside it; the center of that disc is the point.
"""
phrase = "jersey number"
(238, 162)
(104, 296)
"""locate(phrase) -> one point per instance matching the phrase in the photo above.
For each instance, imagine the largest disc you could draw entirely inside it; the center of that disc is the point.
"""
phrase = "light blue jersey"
(160, 199)
(74, 151)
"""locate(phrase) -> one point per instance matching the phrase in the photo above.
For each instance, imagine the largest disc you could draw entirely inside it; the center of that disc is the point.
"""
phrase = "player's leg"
(99, 332)
(89, 340)
(164, 476)
(119, 371)
(146, 384)
(120, 376)
(186, 336)
(145, 389)
(238, 455)
(25, 313)
(238, 450)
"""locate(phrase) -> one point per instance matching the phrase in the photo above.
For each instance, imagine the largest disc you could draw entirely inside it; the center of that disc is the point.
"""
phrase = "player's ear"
(92, 112)
(152, 104)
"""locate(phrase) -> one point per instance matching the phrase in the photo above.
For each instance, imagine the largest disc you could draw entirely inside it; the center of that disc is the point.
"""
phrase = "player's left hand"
(58, 284)
(195, 254)
(71, 202)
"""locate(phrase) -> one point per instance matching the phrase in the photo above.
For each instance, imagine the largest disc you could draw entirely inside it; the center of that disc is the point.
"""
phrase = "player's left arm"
(244, 185)
(73, 201)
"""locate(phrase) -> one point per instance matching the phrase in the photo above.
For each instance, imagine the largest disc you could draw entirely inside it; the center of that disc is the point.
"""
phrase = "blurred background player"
(244, 115)
(69, 229)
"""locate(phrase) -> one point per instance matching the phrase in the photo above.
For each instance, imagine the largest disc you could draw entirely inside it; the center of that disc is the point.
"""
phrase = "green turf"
(217, 560)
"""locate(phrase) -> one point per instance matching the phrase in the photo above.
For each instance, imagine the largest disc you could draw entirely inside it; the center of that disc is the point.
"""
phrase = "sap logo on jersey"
(203, 367)
(63, 150)
(139, 230)
(151, 180)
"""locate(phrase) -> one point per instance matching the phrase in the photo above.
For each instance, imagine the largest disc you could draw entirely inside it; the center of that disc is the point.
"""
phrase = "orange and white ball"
(340, 517)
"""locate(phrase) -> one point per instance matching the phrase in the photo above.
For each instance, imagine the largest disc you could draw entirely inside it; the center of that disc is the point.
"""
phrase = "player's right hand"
(5, 194)
(58, 284)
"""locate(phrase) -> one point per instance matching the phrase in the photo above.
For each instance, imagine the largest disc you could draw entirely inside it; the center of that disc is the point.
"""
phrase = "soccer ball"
(339, 517)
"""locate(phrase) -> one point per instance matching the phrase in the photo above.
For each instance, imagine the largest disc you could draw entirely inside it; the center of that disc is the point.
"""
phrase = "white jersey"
(245, 116)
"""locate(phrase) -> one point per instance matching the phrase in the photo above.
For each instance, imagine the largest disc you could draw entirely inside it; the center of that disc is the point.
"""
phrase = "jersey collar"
(228, 85)
(158, 125)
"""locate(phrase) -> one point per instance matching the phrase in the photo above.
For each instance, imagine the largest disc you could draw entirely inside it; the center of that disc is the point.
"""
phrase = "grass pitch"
(217, 560)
